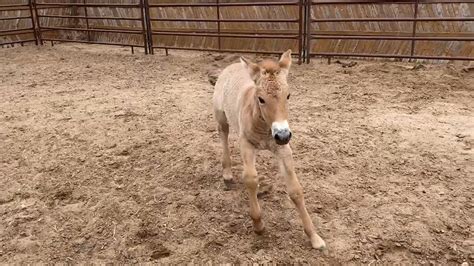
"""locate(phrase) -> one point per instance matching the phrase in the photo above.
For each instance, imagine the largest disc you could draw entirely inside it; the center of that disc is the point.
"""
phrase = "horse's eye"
(260, 100)
(288, 97)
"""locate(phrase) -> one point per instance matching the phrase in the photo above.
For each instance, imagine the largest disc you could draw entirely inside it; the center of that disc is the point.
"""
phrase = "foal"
(253, 100)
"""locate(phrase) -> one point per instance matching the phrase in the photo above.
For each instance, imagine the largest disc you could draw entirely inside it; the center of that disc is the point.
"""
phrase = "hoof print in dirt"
(230, 184)
(212, 76)
(160, 252)
(264, 189)
(383, 153)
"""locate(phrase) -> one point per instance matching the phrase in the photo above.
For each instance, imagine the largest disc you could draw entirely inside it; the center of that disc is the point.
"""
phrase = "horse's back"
(230, 84)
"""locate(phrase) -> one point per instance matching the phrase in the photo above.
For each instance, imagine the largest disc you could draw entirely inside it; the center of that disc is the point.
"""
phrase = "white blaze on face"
(280, 126)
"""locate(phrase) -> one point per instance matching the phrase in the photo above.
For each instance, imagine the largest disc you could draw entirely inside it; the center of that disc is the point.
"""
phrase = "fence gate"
(25, 30)
(80, 20)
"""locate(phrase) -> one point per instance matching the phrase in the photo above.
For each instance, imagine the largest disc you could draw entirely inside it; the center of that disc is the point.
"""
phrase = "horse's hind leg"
(223, 128)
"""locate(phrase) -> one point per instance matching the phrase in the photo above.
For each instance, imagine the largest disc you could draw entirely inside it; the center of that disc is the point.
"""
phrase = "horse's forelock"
(271, 66)
(269, 83)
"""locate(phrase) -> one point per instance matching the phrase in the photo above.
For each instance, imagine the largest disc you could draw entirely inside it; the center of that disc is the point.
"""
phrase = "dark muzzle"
(282, 137)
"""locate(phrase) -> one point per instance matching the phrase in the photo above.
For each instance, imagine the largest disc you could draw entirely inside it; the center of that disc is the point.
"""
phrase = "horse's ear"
(252, 68)
(285, 60)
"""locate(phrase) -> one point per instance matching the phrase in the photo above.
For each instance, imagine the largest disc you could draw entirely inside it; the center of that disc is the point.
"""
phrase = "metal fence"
(305, 34)
(219, 33)
(22, 32)
(313, 36)
(88, 29)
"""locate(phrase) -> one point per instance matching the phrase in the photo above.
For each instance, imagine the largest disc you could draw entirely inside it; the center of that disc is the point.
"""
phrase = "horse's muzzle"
(282, 137)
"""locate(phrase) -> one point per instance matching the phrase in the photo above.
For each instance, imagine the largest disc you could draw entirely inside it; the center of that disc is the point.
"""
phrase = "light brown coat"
(252, 99)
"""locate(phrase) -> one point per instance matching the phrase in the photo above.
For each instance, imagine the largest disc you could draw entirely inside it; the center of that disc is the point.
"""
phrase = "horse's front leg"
(248, 153)
(294, 189)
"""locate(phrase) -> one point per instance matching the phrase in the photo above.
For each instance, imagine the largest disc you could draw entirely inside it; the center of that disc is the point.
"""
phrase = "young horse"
(253, 100)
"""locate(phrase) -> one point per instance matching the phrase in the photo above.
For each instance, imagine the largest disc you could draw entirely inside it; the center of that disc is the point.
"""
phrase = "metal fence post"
(33, 23)
(40, 37)
(303, 37)
(142, 18)
(308, 30)
(413, 34)
(87, 21)
(218, 25)
(300, 31)
(149, 30)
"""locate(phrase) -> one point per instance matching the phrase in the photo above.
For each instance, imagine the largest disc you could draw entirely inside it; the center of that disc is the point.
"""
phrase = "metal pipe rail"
(464, 58)
(259, 32)
(256, 36)
(14, 7)
(139, 31)
(94, 30)
(287, 3)
(391, 19)
(219, 34)
(14, 18)
(222, 20)
(63, 5)
(415, 36)
(219, 50)
(19, 31)
(90, 17)
(385, 2)
(386, 37)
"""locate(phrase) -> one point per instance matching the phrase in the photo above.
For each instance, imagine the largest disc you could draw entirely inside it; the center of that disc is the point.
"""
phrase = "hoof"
(230, 184)
(264, 189)
(318, 243)
(259, 228)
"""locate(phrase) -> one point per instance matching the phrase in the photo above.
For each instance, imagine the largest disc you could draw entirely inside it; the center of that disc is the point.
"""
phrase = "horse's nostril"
(277, 137)
(283, 137)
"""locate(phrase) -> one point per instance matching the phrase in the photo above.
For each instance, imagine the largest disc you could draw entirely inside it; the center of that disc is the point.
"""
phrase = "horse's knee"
(251, 182)
(296, 194)
(250, 178)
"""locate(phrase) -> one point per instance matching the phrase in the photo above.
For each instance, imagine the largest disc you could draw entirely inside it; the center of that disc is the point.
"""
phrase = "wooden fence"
(369, 28)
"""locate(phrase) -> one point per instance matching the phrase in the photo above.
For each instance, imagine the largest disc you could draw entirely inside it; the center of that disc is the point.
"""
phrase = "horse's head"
(272, 93)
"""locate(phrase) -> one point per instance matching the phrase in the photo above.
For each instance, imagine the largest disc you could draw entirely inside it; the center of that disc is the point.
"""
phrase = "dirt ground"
(112, 157)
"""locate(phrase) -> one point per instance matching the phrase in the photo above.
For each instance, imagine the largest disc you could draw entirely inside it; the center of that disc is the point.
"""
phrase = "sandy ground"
(112, 157)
